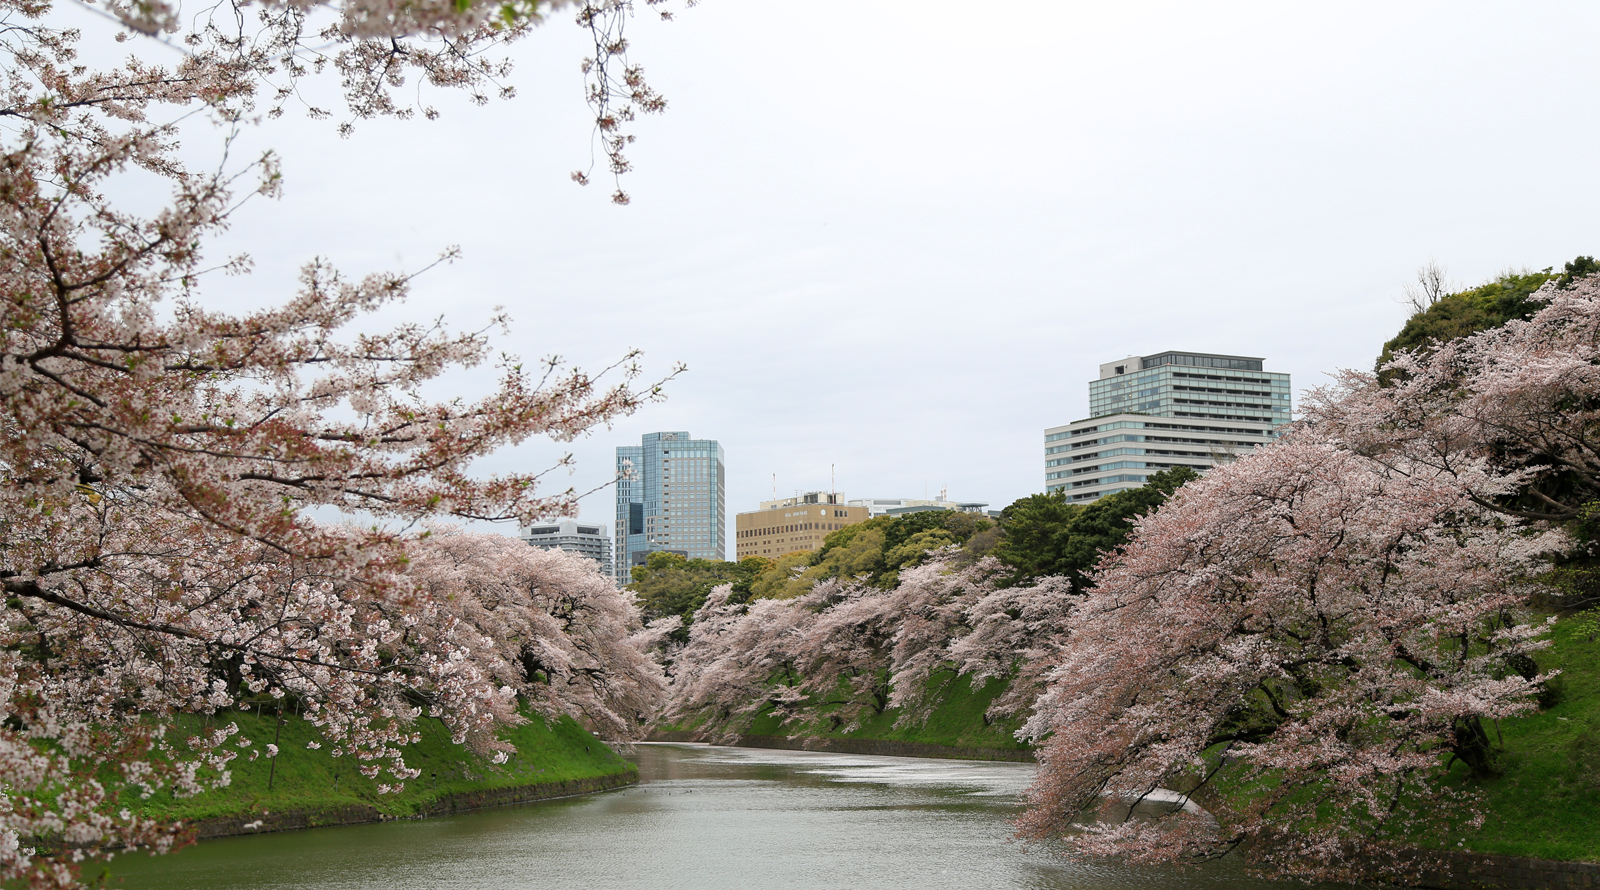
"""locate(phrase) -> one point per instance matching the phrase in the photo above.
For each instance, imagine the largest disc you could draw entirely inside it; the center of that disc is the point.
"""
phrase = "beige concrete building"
(793, 524)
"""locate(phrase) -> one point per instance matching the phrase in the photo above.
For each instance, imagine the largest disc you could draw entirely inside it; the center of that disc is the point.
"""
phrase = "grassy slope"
(956, 722)
(1546, 802)
(307, 779)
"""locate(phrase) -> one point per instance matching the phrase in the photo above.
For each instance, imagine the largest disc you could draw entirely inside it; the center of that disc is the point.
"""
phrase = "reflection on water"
(704, 818)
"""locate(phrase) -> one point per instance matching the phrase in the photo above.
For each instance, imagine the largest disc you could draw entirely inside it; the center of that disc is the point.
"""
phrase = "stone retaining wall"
(358, 814)
(857, 746)
(1481, 871)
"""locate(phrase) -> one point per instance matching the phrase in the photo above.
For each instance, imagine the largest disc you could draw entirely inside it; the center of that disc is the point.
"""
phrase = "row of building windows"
(1091, 495)
(1210, 416)
(1247, 406)
(1111, 453)
(1107, 480)
(1211, 429)
(1266, 394)
(1231, 363)
(1166, 389)
(1097, 455)
(1123, 465)
(1284, 382)
(1135, 437)
(1105, 405)
(1115, 384)
(790, 529)
(1115, 465)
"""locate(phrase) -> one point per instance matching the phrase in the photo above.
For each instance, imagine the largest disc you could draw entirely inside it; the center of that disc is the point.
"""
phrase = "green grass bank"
(1545, 803)
(304, 787)
(956, 723)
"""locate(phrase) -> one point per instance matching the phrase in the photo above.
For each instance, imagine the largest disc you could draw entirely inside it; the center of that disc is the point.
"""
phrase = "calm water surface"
(704, 818)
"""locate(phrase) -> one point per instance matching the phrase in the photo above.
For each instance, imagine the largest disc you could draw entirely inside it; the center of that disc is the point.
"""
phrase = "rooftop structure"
(584, 539)
(890, 506)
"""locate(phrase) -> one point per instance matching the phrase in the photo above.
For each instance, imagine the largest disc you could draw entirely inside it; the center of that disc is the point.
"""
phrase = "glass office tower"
(1172, 409)
(670, 494)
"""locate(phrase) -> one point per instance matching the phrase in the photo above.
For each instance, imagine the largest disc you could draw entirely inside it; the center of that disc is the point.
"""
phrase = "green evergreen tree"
(1045, 535)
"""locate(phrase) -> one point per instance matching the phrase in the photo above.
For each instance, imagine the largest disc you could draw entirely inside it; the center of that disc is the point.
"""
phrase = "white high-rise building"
(584, 539)
(1173, 409)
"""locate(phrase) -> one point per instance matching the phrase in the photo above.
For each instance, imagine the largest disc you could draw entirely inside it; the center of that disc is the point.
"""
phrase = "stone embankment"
(885, 747)
(357, 814)
(1456, 870)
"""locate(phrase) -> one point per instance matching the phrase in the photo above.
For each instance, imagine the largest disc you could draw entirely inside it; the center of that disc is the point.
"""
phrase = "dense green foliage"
(1486, 306)
(671, 584)
(875, 551)
(1038, 535)
(1459, 314)
(313, 779)
(1044, 535)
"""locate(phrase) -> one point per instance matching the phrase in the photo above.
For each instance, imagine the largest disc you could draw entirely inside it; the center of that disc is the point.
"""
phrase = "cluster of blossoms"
(856, 650)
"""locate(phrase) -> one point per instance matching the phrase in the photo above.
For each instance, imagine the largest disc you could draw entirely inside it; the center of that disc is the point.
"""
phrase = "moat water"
(702, 818)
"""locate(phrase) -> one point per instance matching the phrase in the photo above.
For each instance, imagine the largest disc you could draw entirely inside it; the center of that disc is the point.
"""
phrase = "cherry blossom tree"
(545, 624)
(162, 460)
(738, 662)
(1013, 633)
(1329, 630)
(1519, 397)
(157, 553)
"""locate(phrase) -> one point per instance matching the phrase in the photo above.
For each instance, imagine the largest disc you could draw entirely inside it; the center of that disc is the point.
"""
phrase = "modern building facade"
(793, 525)
(1155, 412)
(671, 489)
(584, 539)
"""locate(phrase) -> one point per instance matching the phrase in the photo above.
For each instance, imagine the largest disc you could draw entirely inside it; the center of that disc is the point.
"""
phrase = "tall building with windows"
(670, 494)
(1173, 409)
(584, 539)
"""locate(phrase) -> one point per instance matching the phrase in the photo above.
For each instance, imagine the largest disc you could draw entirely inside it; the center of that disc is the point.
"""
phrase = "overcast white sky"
(898, 237)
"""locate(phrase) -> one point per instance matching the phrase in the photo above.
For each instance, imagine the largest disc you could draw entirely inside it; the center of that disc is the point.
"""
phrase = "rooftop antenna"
(774, 486)
(833, 484)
